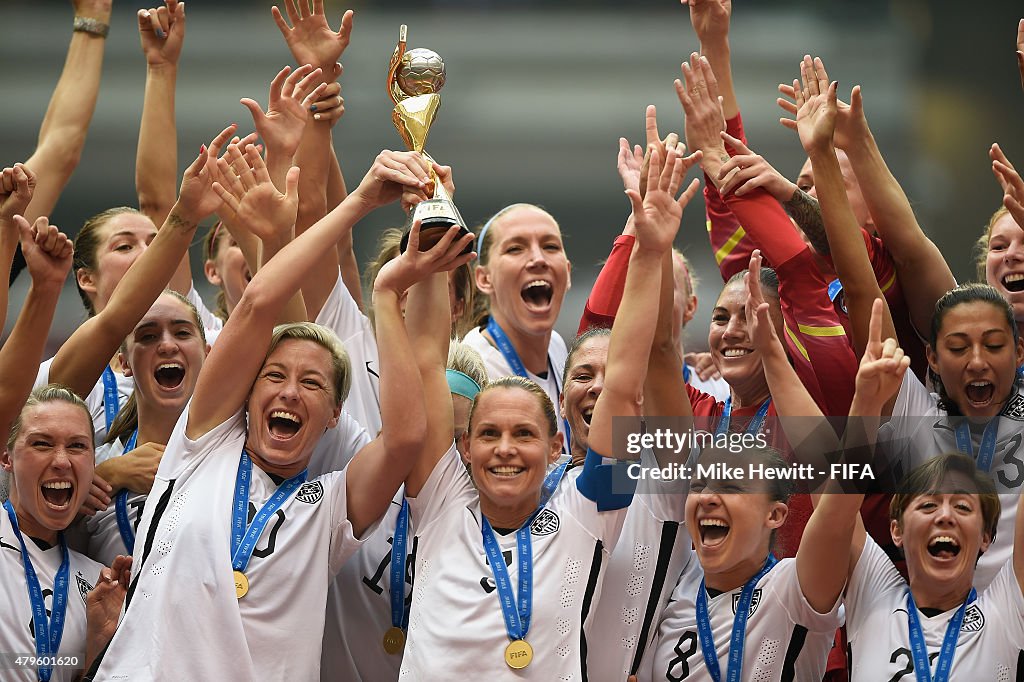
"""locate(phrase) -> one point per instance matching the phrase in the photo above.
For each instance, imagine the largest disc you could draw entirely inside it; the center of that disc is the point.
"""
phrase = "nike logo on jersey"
(4, 544)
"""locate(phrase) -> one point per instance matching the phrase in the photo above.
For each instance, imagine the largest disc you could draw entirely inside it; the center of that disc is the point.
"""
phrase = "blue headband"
(461, 384)
(487, 226)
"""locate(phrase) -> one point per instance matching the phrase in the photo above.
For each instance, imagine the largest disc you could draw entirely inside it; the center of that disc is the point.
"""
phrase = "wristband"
(91, 26)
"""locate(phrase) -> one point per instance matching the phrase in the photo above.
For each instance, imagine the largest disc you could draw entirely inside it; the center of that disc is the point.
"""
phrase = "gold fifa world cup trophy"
(414, 79)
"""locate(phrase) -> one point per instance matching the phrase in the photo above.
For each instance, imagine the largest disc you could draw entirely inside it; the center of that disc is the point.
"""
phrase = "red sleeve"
(729, 240)
(703, 405)
(815, 339)
(603, 302)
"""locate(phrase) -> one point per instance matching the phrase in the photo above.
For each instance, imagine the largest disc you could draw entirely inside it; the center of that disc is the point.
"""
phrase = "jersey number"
(684, 648)
(385, 566)
(1010, 459)
(903, 651)
(279, 518)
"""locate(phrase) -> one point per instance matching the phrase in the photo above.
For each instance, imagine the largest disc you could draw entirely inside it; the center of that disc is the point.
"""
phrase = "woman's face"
(976, 358)
(51, 466)
(510, 449)
(583, 384)
(941, 535)
(165, 352)
(527, 273)
(730, 524)
(228, 270)
(729, 340)
(1004, 265)
(291, 404)
(122, 240)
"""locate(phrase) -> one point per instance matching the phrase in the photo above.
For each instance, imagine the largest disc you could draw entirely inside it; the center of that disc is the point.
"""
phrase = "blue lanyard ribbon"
(111, 402)
(517, 610)
(399, 552)
(739, 628)
(508, 352)
(922, 668)
(124, 524)
(752, 428)
(48, 632)
(244, 537)
(988, 442)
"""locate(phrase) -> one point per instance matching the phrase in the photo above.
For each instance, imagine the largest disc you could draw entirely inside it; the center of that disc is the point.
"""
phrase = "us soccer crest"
(755, 599)
(310, 492)
(84, 588)
(974, 619)
(1015, 408)
(546, 523)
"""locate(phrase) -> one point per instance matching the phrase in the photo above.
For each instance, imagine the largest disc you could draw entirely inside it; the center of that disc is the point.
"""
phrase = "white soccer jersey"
(786, 639)
(342, 315)
(211, 323)
(104, 535)
(716, 387)
(991, 643)
(16, 626)
(919, 431)
(94, 401)
(653, 549)
(184, 621)
(497, 366)
(456, 628)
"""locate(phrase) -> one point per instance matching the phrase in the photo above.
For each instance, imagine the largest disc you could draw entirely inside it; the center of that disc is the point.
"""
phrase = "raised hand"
(710, 19)
(411, 196)
(414, 265)
(704, 365)
(882, 366)
(331, 105)
(17, 184)
(47, 250)
(103, 604)
(196, 198)
(654, 138)
(310, 38)
(747, 170)
(392, 175)
(851, 124)
(698, 93)
(1020, 51)
(291, 96)
(162, 32)
(816, 105)
(629, 163)
(658, 213)
(759, 323)
(1010, 181)
(258, 206)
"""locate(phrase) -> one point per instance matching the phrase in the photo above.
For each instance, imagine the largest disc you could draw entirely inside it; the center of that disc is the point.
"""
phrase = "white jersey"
(341, 314)
(497, 366)
(919, 431)
(653, 549)
(786, 639)
(16, 626)
(94, 400)
(184, 621)
(212, 324)
(719, 388)
(991, 643)
(456, 628)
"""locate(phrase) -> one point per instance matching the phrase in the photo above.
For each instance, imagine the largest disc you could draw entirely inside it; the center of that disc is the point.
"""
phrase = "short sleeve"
(791, 596)
(874, 579)
(448, 484)
(344, 543)
(341, 313)
(181, 450)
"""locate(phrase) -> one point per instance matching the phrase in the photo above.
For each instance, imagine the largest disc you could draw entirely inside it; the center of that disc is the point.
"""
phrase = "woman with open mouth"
(234, 512)
(509, 558)
(524, 273)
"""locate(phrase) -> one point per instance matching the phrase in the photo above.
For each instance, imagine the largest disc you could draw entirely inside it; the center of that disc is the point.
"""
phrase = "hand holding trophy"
(414, 79)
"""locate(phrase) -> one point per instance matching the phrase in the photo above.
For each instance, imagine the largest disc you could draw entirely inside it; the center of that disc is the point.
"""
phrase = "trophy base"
(436, 217)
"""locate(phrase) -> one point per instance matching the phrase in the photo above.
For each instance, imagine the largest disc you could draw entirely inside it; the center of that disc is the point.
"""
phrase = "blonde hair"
(547, 408)
(464, 358)
(341, 366)
(50, 393)
(981, 246)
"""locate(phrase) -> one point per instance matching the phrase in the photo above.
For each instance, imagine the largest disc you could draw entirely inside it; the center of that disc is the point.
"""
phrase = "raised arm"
(1010, 182)
(834, 537)
(62, 134)
(48, 258)
(1020, 51)
(17, 185)
(816, 125)
(242, 345)
(710, 20)
(657, 216)
(916, 257)
(80, 361)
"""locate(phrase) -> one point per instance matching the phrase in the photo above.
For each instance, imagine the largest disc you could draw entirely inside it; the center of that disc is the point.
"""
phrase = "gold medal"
(518, 654)
(394, 640)
(241, 584)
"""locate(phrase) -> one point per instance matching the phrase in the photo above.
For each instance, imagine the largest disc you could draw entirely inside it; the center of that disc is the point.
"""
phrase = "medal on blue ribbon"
(243, 536)
(944, 664)
(988, 442)
(739, 628)
(394, 638)
(124, 525)
(48, 631)
(755, 423)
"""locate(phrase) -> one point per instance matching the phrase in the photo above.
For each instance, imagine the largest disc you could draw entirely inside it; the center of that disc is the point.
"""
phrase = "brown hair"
(213, 242)
(87, 245)
(547, 408)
